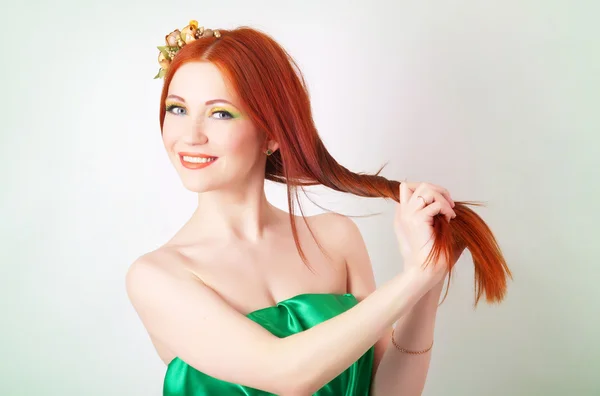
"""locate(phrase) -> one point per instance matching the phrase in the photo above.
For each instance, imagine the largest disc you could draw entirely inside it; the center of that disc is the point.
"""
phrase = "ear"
(273, 145)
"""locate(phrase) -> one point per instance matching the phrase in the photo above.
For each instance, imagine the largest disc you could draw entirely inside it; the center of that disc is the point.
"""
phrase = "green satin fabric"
(286, 318)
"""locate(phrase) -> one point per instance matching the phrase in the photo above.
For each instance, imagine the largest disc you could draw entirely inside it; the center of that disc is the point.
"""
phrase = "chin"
(198, 180)
(199, 186)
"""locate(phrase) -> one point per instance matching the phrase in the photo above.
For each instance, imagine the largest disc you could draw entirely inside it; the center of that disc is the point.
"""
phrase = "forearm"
(326, 350)
(402, 373)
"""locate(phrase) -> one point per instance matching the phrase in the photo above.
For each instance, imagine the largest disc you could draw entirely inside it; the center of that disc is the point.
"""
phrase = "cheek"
(169, 134)
(240, 140)
(235, 144)
(168, 140)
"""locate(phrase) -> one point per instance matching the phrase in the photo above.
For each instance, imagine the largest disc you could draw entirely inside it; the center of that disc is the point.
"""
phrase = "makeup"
(228, 112)
(196, 161)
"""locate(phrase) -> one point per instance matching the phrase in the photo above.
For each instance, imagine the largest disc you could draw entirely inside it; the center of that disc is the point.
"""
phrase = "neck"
(240, 214)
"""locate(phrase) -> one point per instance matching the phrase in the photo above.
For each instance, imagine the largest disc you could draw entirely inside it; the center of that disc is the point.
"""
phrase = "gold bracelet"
(398, 347)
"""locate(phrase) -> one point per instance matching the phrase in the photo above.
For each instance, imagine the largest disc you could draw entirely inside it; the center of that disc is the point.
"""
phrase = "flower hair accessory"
(177, 39)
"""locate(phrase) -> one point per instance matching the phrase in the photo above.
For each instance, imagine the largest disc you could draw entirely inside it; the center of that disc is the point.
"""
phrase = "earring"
(269, 152)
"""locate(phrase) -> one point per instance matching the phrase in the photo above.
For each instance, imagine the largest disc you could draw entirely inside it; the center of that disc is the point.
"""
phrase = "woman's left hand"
(430, 192)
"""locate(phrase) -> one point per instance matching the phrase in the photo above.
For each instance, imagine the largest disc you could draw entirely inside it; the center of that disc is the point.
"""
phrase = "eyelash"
(170, 108)
(228, 114)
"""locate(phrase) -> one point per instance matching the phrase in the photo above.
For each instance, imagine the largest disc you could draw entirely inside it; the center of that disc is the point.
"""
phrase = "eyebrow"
(179, 98)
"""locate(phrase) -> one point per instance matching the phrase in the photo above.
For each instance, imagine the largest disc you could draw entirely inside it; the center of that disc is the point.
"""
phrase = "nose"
(196, 134)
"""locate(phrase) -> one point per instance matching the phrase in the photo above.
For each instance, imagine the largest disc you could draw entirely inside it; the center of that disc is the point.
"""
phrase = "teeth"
(197, 160)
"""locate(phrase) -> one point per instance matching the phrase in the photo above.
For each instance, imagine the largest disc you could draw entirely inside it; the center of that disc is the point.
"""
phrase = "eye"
(174, 109)
(221, 114)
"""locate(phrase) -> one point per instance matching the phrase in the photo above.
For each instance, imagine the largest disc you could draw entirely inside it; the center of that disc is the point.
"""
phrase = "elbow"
(290, 387)
(296, 381)
(293, 374)
(294, 392)
(304, 384)
(295, 388)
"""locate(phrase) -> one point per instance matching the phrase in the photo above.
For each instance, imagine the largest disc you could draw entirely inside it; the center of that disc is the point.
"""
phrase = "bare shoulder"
(344, 235)
(157, 261)
(150, 271)
(341, 236)
(339, 230)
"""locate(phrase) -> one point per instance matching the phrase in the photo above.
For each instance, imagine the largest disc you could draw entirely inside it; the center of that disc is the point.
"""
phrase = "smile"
(196, 161)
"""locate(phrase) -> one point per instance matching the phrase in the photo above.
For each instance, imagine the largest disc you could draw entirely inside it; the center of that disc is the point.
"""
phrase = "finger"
(447, 196)
(435, 196)
(419, 200)
(431, 193)
(405, 193)
(445, 193)
(421, 190)
(439, 207)
(412, 186)
(423, 196)
(448, 213)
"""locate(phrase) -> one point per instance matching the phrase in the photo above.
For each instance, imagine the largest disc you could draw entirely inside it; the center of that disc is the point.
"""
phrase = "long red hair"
(273, 92)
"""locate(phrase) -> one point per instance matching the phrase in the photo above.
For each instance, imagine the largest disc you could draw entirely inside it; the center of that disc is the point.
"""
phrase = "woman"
(247, 300)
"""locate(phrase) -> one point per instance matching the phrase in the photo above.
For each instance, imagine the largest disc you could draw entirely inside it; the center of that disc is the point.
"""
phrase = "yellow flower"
(188, 33)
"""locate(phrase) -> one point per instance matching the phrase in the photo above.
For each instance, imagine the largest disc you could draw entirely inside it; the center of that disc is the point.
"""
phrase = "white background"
(495, 100)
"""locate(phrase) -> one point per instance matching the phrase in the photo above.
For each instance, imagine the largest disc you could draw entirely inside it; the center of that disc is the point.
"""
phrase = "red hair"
(273, 93)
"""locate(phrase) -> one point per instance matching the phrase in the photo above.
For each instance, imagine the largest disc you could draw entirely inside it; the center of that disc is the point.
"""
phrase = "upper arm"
(360, 277)
(200, 328)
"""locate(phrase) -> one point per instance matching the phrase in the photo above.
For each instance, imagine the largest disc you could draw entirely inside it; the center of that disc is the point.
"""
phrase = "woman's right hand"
(413, 224)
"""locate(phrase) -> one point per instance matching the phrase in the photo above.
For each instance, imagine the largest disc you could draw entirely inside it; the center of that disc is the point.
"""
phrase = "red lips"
(187, 154)
(195, 165)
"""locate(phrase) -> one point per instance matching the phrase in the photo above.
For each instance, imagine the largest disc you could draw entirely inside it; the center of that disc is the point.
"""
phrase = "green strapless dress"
(286, 318)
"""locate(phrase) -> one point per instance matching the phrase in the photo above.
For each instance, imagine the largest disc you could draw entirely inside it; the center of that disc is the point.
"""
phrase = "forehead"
(200, 82)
